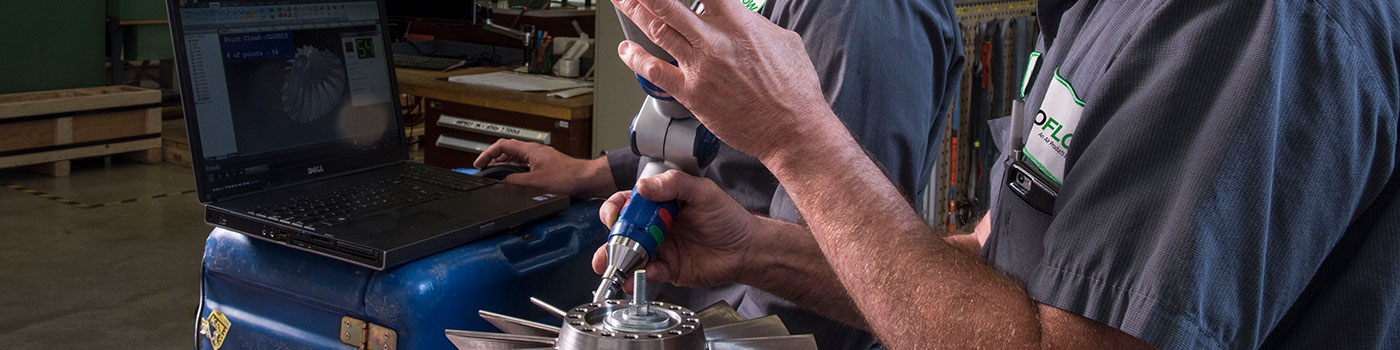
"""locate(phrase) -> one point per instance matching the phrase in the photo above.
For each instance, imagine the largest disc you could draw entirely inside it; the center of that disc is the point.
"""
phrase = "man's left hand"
(750, 81)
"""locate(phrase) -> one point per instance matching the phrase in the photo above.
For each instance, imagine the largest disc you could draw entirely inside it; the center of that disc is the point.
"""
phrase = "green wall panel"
(52, 44)
(149, 42)
(136, 10)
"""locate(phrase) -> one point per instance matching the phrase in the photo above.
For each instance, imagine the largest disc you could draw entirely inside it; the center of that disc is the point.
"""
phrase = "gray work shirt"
(1231, 182)
(889, 69)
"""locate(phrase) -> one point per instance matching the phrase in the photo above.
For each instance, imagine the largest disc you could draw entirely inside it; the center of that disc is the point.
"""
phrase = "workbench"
(461, 119)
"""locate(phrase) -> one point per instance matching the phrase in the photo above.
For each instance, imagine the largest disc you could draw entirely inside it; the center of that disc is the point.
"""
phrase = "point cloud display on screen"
(313, 85)
(279, 85)
(293, 88)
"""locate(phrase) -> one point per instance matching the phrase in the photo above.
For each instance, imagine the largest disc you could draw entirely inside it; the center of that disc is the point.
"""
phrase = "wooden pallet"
(175, 143)
(44, 130)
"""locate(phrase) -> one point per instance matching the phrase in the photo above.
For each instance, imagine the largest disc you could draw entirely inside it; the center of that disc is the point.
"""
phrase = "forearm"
(792, 267)
(967, 244)
(914, 289)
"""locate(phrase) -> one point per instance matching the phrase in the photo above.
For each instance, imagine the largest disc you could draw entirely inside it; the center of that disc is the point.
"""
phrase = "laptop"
(296, 136)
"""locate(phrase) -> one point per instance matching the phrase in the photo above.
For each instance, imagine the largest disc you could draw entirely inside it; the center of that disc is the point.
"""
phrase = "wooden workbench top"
(431, 84)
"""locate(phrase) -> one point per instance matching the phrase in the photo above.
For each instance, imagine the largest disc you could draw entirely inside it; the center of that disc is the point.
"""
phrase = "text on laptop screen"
(279, 85)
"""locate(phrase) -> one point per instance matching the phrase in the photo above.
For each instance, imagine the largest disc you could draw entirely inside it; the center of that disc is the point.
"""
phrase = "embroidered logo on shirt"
(1055, 122)
(1032, 69)
(1059, 138)
(753, 5)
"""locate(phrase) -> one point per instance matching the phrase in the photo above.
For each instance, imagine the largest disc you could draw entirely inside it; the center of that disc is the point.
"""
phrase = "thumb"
(674, 184)
(521, 178)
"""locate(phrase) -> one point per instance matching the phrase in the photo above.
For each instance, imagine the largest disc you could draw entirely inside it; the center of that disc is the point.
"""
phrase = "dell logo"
(315, 170)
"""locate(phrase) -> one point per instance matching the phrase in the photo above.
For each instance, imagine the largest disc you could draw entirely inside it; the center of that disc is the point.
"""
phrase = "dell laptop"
(296, 136)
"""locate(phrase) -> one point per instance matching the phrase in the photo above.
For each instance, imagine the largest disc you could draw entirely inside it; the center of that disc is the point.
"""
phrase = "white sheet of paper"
(571, 93)
(520, 82)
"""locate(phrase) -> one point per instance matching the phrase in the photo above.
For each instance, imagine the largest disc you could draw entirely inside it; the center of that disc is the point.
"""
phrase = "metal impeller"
(635, 324)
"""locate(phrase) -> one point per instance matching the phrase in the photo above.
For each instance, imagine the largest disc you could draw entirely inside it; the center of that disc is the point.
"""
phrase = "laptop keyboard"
(339, 207)
(445, 178)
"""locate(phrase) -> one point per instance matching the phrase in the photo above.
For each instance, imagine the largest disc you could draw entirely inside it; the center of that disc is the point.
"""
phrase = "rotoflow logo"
(1047, 123)
(753, 5)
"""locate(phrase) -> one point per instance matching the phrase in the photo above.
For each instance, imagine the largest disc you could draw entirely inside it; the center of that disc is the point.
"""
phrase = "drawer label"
(493, 129)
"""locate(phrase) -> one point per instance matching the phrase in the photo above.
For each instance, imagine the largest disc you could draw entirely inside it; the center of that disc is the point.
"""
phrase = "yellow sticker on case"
(215, 327)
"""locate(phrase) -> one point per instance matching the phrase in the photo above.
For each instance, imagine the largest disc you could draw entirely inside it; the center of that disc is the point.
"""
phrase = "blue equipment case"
(276, 297)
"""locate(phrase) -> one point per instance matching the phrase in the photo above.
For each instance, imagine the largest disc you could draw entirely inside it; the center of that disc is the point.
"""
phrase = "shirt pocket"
(1018, 230)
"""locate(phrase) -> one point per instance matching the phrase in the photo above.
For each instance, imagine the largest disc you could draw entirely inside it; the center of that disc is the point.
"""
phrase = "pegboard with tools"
(998, 36)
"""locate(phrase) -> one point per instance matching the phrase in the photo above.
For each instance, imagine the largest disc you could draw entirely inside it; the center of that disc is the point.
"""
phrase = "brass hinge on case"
(365, 335)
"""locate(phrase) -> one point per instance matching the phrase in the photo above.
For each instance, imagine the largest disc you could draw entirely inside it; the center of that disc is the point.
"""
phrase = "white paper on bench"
(520, 81)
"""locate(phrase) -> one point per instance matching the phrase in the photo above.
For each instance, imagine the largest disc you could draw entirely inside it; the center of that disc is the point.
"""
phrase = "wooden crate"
(44, 130)
(175, 143)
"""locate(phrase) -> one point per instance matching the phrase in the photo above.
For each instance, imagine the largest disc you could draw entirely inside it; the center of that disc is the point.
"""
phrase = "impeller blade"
(766, 326)
(519, 326)
(790, 342)
(551, 309)
(469, 340)
(718, 314)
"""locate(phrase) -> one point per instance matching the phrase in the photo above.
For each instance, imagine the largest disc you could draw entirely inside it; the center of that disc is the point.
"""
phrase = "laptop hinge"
(303, 182)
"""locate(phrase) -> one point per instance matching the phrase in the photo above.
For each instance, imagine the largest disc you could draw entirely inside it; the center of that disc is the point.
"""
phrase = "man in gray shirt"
(891, 93)
(1225, 171)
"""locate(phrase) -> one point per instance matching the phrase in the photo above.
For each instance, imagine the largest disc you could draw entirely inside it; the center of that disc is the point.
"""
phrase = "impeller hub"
(616, 324)
(632, 320)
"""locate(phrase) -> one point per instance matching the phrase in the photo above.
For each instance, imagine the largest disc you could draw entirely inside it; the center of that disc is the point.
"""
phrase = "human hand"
(549, 168)
(708, 243)
(750, 81)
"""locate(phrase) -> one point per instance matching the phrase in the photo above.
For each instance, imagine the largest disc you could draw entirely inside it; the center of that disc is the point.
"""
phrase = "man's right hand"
(715, 241)
(710, 242)
(549, 168)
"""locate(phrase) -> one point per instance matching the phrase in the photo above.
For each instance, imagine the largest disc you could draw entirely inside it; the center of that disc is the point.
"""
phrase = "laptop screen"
(281, 92)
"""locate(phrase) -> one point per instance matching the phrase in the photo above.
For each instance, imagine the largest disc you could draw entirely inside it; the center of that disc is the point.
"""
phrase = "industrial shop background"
(105, 240)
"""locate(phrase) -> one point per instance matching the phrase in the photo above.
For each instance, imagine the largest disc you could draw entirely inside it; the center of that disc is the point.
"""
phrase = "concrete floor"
(112, 277)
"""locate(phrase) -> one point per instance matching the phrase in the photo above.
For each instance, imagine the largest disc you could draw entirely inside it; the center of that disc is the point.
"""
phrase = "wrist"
(771, 248)
(824, 136)
(597, 179)
(757, 251)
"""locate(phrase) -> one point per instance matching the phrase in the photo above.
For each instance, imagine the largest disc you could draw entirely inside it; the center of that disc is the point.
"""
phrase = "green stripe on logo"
(1042, 168)
(1032, 67)
(753, 5)
(1073, 94)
